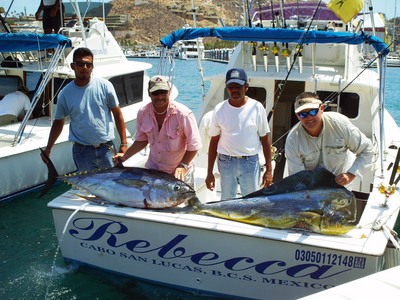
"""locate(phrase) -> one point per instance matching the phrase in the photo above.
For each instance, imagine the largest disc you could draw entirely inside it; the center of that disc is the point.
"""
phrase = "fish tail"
(52, 174)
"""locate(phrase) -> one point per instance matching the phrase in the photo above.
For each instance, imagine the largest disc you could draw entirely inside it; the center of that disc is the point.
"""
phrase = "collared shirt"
(340, 147)
(178, 134)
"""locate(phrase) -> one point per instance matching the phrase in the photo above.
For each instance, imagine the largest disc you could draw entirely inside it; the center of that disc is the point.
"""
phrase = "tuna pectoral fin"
(136, 183)
(52, 174)
(94, 199)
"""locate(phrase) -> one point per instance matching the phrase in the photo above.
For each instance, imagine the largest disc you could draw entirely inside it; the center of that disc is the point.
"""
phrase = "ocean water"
(31, 265)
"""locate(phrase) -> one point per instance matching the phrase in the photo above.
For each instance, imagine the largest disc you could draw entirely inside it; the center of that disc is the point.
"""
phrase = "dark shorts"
(54, 23)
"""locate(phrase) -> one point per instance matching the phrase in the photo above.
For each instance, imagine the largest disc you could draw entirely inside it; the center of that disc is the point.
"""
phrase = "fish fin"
(310, 220)
(132, 182)
(52, 174)
(91, 198)
(303, 180)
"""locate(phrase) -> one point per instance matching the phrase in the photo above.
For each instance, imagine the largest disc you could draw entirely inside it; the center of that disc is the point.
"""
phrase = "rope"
(380, 224)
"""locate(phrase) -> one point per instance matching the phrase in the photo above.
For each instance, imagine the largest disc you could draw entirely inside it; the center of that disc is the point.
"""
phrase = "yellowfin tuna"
(133, 187)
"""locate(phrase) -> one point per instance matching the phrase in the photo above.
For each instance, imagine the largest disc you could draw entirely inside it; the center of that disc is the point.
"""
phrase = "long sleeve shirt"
(340, 147)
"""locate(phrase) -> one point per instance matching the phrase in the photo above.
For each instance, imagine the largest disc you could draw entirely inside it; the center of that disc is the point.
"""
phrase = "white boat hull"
(219, 257)
(22, 168)
(212, 256)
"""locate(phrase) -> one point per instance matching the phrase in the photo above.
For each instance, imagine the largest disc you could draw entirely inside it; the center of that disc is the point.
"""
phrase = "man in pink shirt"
(171, 130)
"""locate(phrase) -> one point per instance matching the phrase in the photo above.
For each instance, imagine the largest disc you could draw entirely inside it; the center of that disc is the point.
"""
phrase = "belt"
(109, 143)
(238, 156)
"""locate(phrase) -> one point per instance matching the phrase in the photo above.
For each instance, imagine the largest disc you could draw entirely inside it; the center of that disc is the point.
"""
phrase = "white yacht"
(21, 165)
(234, 260)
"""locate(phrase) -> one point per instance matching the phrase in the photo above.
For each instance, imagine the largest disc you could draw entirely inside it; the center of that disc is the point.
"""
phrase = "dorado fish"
(309, 199)
(128, 186)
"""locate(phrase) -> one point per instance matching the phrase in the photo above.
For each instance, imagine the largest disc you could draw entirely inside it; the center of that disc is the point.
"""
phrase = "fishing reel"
(387, 190)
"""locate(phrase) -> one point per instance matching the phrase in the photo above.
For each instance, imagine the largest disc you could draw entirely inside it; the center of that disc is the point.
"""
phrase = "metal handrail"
(45, 80)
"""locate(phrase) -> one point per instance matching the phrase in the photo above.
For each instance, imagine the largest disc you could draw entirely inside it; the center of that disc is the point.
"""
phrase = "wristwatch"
(184, 165)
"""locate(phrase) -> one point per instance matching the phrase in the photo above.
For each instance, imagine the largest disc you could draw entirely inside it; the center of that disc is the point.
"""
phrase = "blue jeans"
(244, 171)
(88, 158)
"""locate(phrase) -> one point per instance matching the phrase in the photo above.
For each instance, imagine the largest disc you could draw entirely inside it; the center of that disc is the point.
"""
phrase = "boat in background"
(24, 62)
(380, 26)
(150, 53)
(392, 60)
(314, 51)
(190, 49)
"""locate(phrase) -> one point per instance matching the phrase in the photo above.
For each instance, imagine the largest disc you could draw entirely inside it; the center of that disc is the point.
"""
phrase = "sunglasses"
(305, 114)
(159, 92)
(81, 64)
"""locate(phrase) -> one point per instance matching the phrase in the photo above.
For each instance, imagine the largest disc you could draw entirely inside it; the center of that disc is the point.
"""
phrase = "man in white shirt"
(239, 130)
(14, 106)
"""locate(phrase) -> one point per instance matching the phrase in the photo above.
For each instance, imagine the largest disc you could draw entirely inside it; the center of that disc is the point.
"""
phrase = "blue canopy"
(283, 35)
(10, 42)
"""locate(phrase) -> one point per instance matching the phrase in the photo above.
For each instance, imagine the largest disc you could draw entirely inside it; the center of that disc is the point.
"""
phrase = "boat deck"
(363, 239)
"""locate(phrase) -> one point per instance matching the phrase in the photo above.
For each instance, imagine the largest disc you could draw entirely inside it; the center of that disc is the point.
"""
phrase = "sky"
(386, 6)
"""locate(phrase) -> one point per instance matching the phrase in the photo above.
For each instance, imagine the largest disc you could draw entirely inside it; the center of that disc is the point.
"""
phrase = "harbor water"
(31, 265)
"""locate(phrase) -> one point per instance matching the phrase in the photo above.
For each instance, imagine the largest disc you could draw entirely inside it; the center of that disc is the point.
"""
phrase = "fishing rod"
(299, 46)
(248, 13)
(395, 168)
(264, 48)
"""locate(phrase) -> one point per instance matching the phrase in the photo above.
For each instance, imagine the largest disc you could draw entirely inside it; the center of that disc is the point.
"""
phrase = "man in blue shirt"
(90, 103)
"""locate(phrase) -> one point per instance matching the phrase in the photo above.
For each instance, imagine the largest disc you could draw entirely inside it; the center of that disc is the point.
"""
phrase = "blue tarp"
(280, 35)
(11, 42)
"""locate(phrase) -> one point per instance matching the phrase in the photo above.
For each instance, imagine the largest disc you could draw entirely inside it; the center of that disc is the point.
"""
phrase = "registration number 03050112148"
(333, 259)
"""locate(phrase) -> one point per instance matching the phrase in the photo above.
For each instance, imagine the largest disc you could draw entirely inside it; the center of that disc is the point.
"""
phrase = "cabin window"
(257, 93)
(129, 88)
(9, 84)
(348, 103)
(59, 84)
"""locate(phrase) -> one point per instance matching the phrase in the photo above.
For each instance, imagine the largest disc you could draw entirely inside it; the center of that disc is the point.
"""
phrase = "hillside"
(152, 19)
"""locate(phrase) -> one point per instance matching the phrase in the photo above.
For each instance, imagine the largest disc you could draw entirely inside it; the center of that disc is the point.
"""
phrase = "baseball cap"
(159, 82)
(306, 103)
(236, 76)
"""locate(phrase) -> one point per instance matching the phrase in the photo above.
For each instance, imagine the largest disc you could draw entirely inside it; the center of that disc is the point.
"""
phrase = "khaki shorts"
(8, 119)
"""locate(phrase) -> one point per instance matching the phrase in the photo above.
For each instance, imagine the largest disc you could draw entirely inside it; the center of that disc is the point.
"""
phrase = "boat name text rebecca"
(316, 266)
